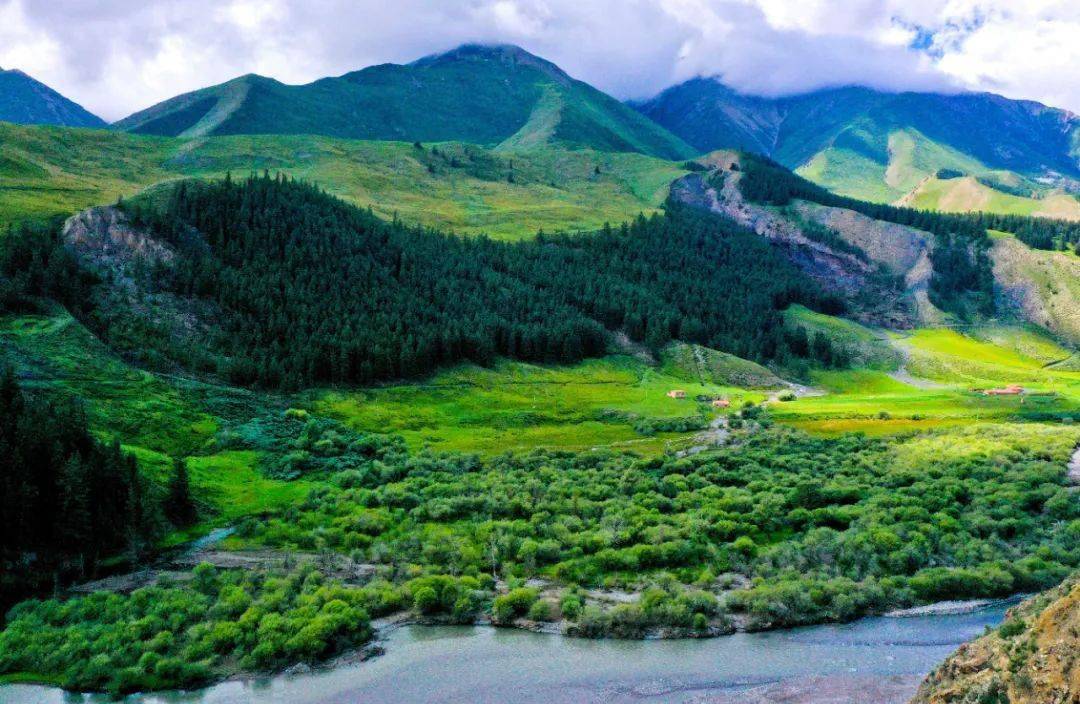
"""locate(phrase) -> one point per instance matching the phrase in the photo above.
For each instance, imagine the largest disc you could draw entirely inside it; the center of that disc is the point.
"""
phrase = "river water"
(875, 660)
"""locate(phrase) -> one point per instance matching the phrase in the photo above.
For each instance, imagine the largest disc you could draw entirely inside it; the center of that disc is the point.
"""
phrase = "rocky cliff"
(1033, 658)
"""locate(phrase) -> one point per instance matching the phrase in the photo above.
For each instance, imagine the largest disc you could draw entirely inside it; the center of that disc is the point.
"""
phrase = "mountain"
(26, 101)
(883, 146)
(490, 95)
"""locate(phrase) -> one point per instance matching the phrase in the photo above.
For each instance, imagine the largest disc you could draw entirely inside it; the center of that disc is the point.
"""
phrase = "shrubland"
(180, 635)
(824, 529)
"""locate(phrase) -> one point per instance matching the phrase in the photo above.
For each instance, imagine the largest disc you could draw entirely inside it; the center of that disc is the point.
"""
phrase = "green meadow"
(928, 378)
(155, 417)
(515, 406)
(941, 382)
(619, 402)
(50, 171)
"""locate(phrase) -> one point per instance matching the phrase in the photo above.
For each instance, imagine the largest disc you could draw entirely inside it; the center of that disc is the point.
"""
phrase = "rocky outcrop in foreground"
(1032, 658)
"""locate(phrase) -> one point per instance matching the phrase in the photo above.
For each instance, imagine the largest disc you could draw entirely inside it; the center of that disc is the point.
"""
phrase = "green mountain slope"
(46, 171)
(29, 102)
(478, 94)
(882, 146)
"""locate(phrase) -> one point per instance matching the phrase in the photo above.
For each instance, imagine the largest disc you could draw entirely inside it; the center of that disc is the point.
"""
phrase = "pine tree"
(179, 507)
(75, 520)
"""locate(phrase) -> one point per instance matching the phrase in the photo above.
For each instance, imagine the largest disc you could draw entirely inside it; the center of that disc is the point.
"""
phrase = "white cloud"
(117, 56)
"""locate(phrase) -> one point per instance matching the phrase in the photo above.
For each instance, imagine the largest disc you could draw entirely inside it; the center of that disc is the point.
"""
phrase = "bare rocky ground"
(178, 569)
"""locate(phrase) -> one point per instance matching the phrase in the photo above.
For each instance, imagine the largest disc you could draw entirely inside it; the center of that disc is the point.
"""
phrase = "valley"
(293, 374)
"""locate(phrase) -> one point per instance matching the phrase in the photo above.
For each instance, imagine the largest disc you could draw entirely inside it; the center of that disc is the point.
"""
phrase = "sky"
(118, 56)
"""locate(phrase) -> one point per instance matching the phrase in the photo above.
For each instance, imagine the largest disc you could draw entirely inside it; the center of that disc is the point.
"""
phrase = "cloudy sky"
(118, 56)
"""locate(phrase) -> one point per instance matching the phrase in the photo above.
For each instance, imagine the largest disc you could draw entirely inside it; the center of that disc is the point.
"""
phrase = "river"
(872, 661)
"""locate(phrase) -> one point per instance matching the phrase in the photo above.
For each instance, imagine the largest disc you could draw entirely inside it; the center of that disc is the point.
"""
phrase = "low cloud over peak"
(117, 56)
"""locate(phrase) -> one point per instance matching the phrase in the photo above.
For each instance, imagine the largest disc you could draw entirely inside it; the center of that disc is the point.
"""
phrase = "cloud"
(117, 56)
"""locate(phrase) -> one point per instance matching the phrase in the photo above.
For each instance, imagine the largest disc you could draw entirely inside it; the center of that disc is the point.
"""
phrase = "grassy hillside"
(920, 173)
(1039, 285)
(47, 171)
(938, 383)
(966, 194)
(479, 94)
(509, 406)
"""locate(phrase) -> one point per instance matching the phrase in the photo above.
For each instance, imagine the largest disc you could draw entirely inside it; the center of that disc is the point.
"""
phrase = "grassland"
(154, 417)
(512, 406)
(963, 195)
(1042, 286)
(940, 383)
(516, 406)
(48, 171)
(924, 380)
(905, 173)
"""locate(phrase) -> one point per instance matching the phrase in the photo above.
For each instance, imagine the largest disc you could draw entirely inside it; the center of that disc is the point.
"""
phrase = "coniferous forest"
(66, 499)
(304, 289)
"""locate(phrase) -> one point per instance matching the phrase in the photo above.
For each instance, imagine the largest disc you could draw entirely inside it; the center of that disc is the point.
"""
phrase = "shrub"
(540, 611)
(425, 600)
(513, 604)
(571, 606)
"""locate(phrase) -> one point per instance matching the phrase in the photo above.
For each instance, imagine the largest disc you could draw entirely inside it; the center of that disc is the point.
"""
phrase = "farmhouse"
(676, 393)
(721, 403)
(1010, 390)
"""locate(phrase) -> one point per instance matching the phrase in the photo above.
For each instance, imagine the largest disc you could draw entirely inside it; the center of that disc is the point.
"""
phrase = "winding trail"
(1074, 467)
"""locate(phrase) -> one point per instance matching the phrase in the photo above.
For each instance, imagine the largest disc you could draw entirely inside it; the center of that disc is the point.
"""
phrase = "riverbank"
(331, 582)
(874, 660)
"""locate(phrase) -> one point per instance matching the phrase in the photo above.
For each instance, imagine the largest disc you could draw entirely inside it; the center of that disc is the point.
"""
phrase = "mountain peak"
(504, 53)
(852, 129)
(25, 100)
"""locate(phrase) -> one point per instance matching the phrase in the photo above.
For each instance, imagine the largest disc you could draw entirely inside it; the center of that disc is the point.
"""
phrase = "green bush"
(540, 611)
(513, 604)
(425, 600)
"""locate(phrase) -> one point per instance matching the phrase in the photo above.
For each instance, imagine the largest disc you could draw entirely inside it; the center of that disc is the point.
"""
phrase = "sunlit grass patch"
(522, 406)
(947, 355)
(53, 351)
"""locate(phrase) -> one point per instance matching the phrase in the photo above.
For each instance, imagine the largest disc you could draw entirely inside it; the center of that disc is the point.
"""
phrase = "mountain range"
(26, 101)
(872, 144)
(967, 151)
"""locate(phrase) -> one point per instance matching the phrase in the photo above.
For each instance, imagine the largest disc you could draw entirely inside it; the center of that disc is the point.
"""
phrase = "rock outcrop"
(892, 251)
(1033, 658)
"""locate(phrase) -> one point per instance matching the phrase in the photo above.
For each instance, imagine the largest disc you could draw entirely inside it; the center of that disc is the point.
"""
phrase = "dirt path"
(1074, 467)
(904, 376)
(800, 391)
(715, 436)
(178, 566)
